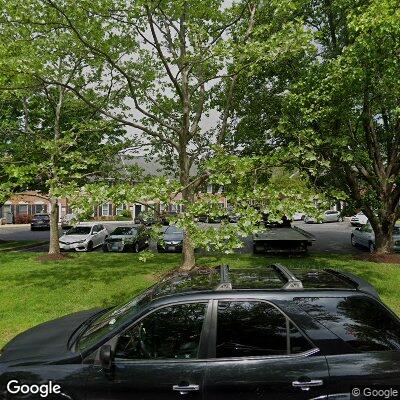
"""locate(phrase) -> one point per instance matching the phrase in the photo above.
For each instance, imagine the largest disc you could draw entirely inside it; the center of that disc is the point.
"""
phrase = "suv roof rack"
(361, 284)
(225, 283)
(293, 283)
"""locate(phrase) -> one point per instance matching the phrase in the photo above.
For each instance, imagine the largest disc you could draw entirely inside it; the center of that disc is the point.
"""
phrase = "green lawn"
(32, 292)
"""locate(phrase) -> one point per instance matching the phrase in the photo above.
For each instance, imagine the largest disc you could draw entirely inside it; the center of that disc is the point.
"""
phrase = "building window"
(23, 209)
(7, 209)
(105, 210)
(119, 209)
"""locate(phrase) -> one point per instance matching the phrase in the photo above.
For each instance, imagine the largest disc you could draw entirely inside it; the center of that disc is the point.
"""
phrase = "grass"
(32, 292)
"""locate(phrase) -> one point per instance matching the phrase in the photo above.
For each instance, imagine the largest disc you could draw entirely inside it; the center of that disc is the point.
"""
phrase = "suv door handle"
(306, 385)
(185, 389)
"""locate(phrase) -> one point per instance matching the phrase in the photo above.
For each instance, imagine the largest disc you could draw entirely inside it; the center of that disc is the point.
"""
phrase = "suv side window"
(363, 323)
(168, 333)
(254, 328)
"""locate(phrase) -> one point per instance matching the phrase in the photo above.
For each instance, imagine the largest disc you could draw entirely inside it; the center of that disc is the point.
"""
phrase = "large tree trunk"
(188, 258)
(383, 241)
(54, 246)
(383, 226)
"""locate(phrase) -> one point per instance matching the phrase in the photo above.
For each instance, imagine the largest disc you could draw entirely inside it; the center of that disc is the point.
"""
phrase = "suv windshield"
(113, 319)
(174, 230)
(41, 216)
(79, 230)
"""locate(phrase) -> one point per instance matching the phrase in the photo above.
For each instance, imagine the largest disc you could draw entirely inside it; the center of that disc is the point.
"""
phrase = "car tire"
(371, 247)
(353, 241)
(89, 246)
(32, 229)
(105, 248)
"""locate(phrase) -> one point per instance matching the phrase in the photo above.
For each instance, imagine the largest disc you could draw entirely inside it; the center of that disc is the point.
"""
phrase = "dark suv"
(239, 334)
(40, 221)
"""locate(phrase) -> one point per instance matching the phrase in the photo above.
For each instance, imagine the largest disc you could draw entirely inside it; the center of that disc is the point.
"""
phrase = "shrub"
(126, 213)
(23, 219)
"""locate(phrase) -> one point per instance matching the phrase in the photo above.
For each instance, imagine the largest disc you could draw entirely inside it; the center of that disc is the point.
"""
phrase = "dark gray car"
(40, 221)
(172, 240)
(127, 238)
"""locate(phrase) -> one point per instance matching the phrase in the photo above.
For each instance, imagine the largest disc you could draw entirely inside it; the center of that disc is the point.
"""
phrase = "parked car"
(233, 218)
(83, 237)
(202, 218)
(359, 219)
(364, 236)
(328, 216)
(172, 240)
(127, 238)
(40, 221)
(299, 216)
(240, 334)
(217, 219)
(165, 217)
(67, 221)
(146, 219)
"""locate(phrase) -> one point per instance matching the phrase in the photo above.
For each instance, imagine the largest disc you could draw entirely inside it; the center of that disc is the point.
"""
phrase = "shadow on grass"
(91, 268)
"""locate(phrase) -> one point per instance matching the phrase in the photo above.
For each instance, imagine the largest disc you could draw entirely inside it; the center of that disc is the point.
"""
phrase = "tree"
(161, 59)
(49, 138)
(156, 68)
(339, 117)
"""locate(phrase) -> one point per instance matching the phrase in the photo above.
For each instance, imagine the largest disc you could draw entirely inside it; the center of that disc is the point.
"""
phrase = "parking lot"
(330, 237)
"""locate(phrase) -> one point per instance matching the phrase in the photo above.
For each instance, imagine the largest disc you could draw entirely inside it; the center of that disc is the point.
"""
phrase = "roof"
(273, 277)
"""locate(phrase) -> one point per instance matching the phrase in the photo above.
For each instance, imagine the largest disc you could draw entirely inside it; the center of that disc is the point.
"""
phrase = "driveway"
(331, 237)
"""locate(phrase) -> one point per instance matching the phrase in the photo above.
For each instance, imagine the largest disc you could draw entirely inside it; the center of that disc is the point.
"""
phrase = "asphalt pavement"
(331, 237)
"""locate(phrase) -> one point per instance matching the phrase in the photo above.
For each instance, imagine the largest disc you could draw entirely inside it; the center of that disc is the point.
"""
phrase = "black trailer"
(282, 239)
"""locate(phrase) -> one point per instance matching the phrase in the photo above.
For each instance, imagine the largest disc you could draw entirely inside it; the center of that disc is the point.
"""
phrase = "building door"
(7, 213)
(138, 210)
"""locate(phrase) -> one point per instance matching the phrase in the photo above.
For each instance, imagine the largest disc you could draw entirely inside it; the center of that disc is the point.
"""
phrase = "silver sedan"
(365, 237)
(328, 216)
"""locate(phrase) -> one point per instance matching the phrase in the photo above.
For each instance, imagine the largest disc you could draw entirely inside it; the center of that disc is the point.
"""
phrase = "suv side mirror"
(106, 357)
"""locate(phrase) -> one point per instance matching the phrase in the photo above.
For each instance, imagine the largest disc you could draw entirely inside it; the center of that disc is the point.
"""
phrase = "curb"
(28, 246)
